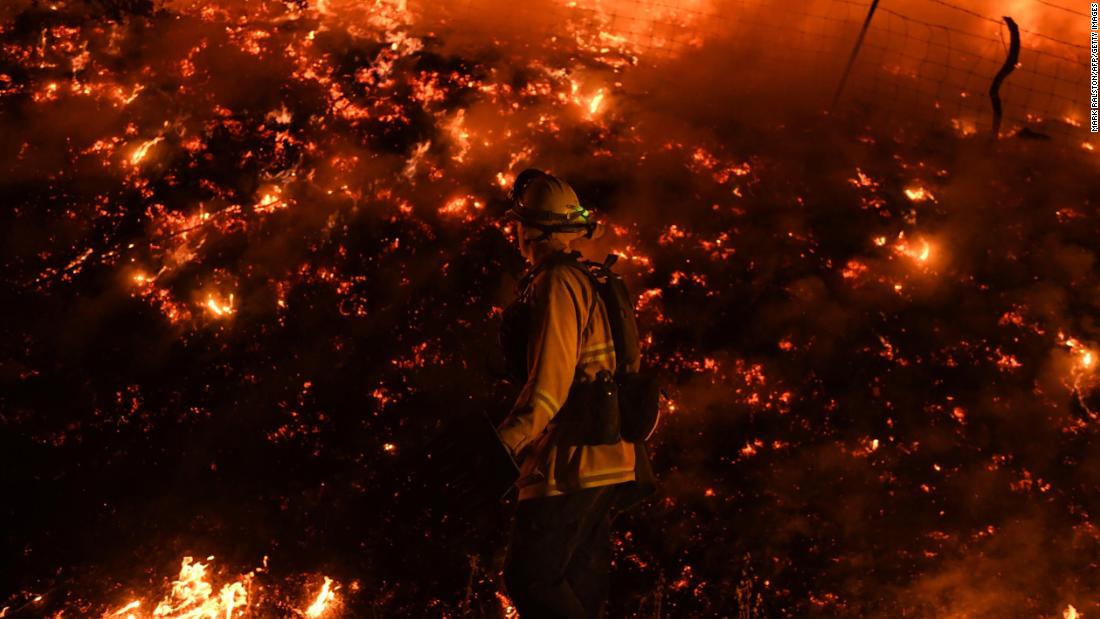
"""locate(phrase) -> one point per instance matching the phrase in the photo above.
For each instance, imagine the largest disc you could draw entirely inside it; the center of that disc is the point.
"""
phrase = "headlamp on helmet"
(548, 204)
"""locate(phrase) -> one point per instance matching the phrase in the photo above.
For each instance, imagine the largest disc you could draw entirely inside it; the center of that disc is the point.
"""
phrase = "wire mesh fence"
(947, 70)
(930, 60)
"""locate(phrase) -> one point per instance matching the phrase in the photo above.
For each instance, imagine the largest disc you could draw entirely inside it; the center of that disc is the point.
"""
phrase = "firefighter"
(558, 561)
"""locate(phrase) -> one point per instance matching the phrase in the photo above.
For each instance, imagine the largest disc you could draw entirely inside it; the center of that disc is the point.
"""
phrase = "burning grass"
(253, 256)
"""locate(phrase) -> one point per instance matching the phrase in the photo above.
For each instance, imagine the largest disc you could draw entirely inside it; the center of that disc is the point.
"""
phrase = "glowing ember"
(594, 104)
(920, 251)
(918, 194)
(270, 201)
(964, 128)
(220, 308)
(1084, 355)
(125, 610)
(465, 207)
(142, 150)
(293, 211)
(507, 609)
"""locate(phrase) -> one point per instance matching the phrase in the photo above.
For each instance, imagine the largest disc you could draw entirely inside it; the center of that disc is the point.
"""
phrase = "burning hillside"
(253, 256)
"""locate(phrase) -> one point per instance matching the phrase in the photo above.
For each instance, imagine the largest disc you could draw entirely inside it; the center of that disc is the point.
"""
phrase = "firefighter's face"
(525, 240)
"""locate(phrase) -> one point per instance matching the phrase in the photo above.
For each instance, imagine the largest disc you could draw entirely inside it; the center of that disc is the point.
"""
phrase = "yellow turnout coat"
(570, 337)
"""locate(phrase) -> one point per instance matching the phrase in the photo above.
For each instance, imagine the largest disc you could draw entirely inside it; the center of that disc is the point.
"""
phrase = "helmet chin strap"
(547, 229)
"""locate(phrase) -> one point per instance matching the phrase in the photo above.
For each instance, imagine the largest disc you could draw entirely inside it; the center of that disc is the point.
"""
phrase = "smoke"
(254, 257)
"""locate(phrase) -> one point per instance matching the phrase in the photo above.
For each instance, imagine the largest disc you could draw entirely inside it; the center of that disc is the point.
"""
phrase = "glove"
(473, 465)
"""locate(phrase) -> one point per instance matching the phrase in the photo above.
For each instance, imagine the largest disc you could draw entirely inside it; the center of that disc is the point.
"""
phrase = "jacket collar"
(549, 260)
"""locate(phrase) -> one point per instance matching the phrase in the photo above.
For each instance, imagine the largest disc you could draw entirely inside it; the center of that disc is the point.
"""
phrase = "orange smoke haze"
(254, 257)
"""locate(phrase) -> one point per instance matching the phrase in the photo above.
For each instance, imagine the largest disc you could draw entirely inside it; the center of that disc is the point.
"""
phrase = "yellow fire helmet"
(548, 204)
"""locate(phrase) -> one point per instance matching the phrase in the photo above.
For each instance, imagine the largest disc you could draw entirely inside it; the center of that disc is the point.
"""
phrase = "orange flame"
(127, 608)
(1085, 356)
(220, 308)
(325, 596)
(507, 608)
(192, 597)
(142, 150)
(920, 251)
(594, 103)
(919, 194)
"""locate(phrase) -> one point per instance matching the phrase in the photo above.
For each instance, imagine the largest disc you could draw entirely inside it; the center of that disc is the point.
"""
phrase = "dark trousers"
(559, 557)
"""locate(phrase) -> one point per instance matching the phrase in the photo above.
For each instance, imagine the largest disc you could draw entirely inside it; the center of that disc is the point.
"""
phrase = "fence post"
(1008, 67)
(855, 52)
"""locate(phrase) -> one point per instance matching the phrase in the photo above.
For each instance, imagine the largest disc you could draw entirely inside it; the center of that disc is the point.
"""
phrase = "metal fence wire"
(931, 60)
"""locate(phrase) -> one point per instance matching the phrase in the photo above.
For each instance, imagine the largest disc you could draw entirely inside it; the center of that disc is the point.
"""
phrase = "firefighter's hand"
(474, 467)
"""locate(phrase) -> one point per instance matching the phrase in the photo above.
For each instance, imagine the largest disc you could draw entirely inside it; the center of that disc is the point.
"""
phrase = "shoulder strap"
(604, 281)
(619, 304)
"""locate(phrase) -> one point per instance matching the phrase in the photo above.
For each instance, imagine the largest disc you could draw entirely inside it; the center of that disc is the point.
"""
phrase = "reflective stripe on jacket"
(570, 336)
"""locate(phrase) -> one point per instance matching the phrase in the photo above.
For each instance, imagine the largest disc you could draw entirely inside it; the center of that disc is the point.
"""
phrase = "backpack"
(636, 390)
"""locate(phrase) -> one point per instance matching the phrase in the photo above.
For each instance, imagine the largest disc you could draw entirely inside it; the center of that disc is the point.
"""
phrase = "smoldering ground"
(872, 407)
